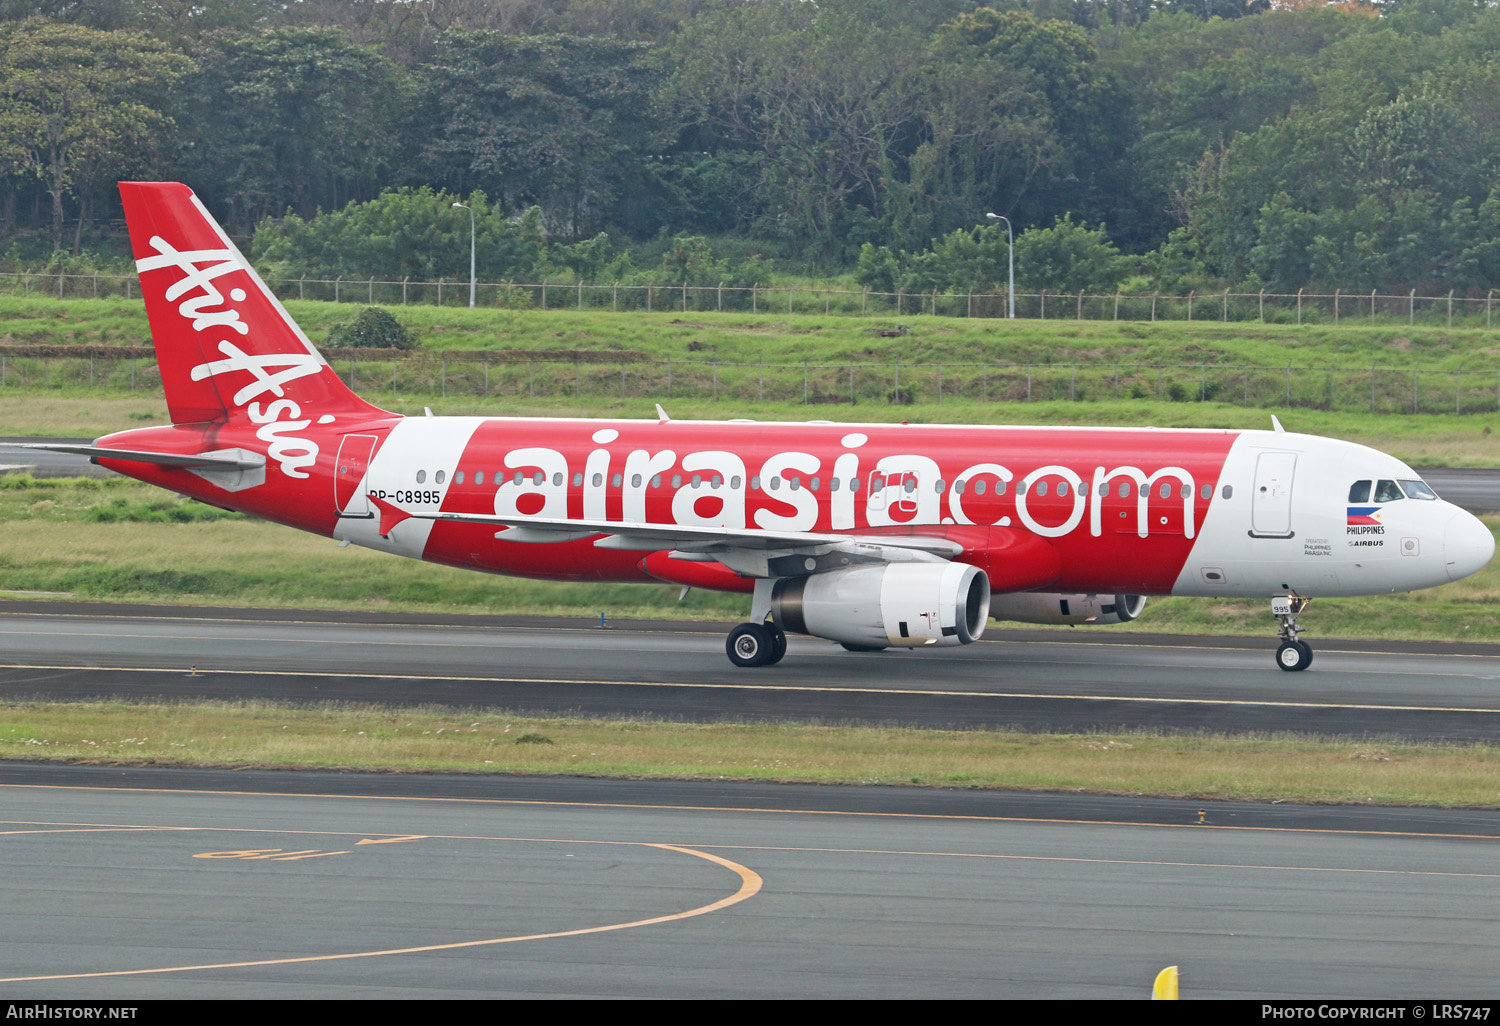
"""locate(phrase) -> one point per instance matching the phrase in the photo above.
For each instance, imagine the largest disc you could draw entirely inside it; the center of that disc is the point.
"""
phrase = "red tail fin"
(226, 346)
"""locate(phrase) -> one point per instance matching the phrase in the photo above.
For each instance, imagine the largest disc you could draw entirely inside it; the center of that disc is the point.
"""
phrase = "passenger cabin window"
(1359, 491)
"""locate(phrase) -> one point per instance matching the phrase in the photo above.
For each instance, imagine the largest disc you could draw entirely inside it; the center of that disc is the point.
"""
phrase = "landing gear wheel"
(755, 644)
(847, 647)
(1294, 655)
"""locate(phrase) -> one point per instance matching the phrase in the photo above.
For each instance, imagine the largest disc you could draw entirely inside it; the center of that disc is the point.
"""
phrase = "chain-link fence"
(512, 374)
(1337, 307)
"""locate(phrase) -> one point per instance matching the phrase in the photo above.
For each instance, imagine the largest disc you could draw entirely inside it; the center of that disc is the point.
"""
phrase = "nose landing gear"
(1293, 653)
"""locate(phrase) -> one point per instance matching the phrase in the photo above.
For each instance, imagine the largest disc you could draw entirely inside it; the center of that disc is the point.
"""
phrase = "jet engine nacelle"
(900, 604)
(1036, 607)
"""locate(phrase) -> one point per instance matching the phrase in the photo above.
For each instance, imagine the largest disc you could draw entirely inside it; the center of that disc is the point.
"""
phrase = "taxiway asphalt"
(138, 884)
(1062, 680)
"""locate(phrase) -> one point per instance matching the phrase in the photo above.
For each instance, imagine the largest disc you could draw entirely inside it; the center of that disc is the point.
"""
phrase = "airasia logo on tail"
(206, 307)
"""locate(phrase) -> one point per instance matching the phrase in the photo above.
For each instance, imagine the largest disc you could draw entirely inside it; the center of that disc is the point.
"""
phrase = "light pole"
(471, 252)
(1010, 246)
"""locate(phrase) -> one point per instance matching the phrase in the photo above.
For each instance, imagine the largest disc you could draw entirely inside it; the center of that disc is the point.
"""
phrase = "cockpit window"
(1387, 491)
(1359, 491)
(1418, 490)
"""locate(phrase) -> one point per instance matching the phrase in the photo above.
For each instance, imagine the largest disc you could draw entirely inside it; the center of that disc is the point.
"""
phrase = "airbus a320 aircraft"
(874, 536)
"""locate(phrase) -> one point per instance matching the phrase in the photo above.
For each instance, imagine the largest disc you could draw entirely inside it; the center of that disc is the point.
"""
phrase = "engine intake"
(1037, 607)
(895, 604)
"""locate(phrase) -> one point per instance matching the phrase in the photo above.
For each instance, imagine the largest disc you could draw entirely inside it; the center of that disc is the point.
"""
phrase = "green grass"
(120, 540)
(836, 338)
(446, 740)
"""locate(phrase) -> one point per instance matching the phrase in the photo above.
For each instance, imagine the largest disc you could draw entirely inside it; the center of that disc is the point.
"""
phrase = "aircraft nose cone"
(1467, 545)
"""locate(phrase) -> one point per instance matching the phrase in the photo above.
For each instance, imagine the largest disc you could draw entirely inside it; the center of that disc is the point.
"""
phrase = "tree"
(413, 233)
(817, 92)
(552, 120)
(296, 117)
(75, 102)
(1068, 257)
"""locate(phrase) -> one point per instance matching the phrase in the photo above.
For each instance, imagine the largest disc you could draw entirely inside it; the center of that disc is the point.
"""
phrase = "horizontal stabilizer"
(250, 461)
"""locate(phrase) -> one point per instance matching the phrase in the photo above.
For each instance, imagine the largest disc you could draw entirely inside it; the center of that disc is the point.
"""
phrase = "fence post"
(1262, 306)
(1191, 294)
(971, 304)
(336, 282)
(440, 290)
(755, 298)
(650, 295)
(1044, 304)
(1336, 305)
(1487, 300)
(1080, 304)
(684, 296)
(614, 299)
(404, 282)
(1225, 318)
(863, 297)
(1372, 308)
(1450, 308)
(1153, 307)
(544, 292)
(1117, 304)
(96, 289)
(1299, 308)
(1411, 307)
(721, 297)
(370, 295)
(59, 284)
(899, 291)
(580, 293)
(301, 287)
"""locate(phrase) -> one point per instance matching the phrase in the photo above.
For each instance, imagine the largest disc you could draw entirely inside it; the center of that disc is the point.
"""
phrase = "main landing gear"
(1293, 654)
(756, 644)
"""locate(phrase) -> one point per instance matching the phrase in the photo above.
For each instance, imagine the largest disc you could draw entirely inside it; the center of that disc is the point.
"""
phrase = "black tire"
(778, 645)
(750, 644)
(1293, 656)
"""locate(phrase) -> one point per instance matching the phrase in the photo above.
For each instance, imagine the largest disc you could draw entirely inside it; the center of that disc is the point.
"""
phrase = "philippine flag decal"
(1364, 515)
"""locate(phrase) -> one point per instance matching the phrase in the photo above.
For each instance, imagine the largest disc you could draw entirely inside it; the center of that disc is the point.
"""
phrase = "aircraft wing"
(753, 553)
